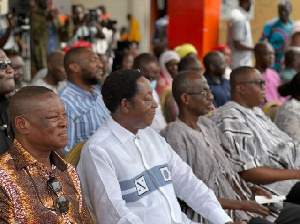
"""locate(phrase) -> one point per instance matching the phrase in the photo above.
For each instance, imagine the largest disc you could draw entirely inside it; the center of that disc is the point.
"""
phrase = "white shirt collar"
(120, 132)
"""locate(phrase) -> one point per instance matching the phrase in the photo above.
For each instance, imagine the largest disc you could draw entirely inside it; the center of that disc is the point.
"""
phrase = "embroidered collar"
(22, 158)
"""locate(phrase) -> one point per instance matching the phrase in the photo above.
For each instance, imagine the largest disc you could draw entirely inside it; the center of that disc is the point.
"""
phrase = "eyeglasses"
(203, 93)
(259, 82)
(62, 201)
(4, 64)
(55, 186)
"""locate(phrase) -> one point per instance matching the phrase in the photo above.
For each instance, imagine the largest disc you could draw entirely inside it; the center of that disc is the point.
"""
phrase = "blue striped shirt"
(86, 112)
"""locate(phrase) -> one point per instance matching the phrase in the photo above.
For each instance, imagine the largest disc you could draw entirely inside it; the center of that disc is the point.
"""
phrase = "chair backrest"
(270, 109)
(73, 155)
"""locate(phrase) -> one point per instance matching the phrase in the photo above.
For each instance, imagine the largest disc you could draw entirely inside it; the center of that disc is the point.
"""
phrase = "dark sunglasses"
(4, 64)
(259, 82)
(55, 186)
(62, 201)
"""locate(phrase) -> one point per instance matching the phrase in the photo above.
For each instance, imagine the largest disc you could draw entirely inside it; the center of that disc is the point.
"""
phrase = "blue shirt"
(221, 92)
(86, 112)
(277, 33)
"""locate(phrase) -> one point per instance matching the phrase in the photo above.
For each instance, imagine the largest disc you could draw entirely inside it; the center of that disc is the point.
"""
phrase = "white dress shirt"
(129, 178)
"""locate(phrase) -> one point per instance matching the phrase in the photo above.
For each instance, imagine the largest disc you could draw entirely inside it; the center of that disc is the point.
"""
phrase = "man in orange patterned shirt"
(36, 185)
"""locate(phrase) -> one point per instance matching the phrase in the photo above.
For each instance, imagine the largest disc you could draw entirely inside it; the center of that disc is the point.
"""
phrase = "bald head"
(264, 56)
(190, 63)
(239, 75)
(141, 61)
(284, 10)
(214, 62)
(260, 47)
(24, 102)
(56, 69)
(291, 58)
(73, 56)
(211, 58)
(56, 57)
(183, 83)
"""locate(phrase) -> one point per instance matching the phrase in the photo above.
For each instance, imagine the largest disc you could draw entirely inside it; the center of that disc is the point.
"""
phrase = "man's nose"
(63, 121)
(154, 103)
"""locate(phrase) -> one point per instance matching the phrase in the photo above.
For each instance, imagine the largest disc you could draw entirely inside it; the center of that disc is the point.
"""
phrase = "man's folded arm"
(267, 175)
(193, 191)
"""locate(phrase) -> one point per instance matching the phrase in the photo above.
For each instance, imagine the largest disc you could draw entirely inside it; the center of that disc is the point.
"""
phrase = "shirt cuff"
(218, 216)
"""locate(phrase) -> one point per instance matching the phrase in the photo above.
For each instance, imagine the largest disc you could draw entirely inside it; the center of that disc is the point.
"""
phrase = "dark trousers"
(290, 214)
(294, 194)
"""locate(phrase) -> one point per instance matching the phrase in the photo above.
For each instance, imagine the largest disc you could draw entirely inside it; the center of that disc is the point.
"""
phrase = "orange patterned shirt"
(19, 201)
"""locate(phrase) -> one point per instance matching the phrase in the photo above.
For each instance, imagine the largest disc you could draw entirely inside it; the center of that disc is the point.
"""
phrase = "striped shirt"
(86, 111)
(24, 193)
(212, 160)
(258, 141)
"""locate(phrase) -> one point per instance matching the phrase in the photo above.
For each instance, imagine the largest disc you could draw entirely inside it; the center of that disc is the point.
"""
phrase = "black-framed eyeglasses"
(203, 93)
(55, 186)
(259, 82)
(4, 64)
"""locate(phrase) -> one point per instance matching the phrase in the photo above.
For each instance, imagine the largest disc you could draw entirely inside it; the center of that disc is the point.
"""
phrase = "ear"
(22, 125)
(211, 67)
(185, 99)
(125, 106)
(74, 67)
(50, 67)
(239, 89)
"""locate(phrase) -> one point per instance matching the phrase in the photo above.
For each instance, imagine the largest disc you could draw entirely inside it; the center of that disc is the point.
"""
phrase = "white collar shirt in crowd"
(258, 141)
(56, 89)
(131, 178)
(159, 121)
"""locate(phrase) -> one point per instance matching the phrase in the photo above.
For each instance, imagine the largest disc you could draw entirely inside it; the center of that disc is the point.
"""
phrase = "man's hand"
(252, 206)
(259, 191)
(10, 19)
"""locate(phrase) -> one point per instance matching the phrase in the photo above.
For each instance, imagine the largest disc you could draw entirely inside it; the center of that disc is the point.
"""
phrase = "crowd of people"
(168, 138)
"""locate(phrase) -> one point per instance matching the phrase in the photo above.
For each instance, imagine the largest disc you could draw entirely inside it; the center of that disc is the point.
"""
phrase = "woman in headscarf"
(168, 64)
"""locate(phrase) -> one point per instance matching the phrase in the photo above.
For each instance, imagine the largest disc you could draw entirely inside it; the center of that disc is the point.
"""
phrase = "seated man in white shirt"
(56, 76)
(129, 173)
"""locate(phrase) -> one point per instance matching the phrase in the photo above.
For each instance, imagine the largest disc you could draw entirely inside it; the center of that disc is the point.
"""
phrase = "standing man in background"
(240, 36)
(277, 31)
(6, 33)
(133, 29)
(47, 32)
